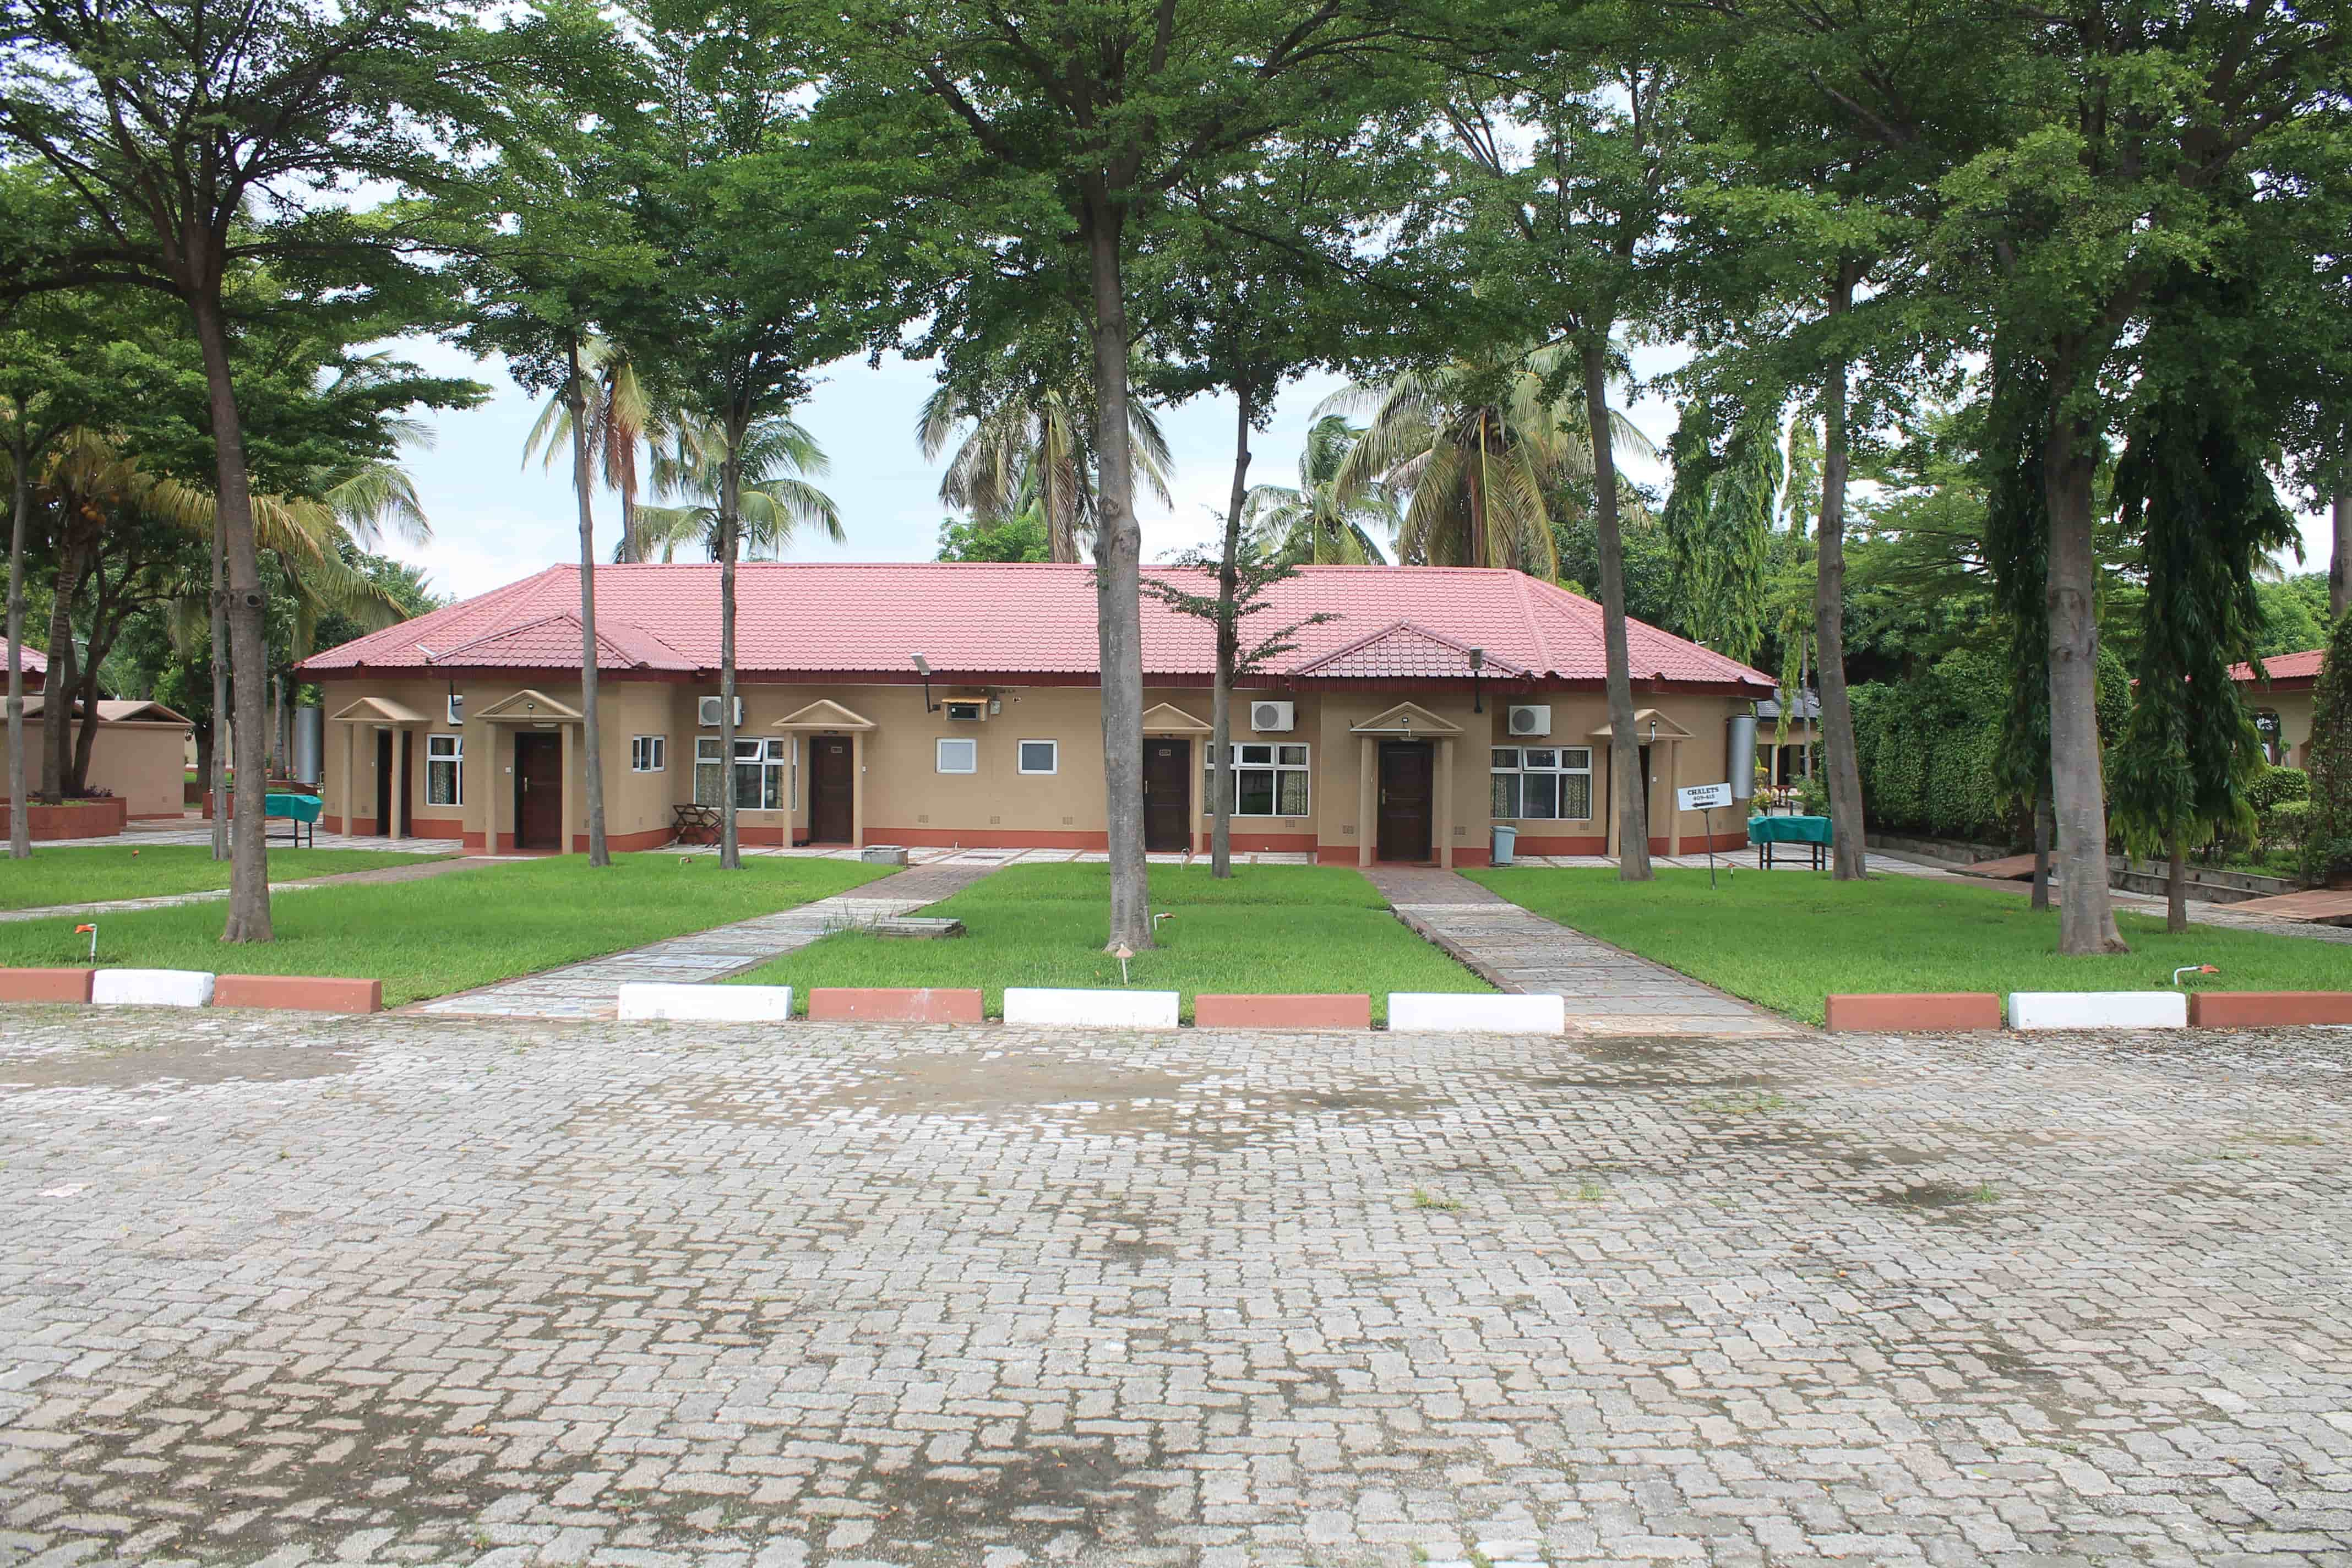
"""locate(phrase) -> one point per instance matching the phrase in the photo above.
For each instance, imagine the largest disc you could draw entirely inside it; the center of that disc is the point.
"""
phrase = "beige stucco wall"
(2295, 710)
(139, 763)
(901, 796)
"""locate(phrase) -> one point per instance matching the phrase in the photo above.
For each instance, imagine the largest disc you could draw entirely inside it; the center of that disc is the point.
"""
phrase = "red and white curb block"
(1090, 1009)
(191, 988)
(150, 987)
(647, 1001)
(1930, 1012)
(1456, 1012)
(2099, 1010)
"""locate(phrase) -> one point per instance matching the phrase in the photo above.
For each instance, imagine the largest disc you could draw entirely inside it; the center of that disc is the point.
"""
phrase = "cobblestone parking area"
(408, 1289)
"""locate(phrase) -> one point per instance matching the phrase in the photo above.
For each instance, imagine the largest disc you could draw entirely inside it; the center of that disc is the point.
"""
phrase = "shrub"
(2274, 786)
(1813, 796)
(2284, 827)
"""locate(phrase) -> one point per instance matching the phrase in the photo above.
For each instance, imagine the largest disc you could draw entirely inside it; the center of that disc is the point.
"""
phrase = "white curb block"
(1451, 1012)
(2099, 1010)
(1091, 1009)
(152, 987)
(643, 1001)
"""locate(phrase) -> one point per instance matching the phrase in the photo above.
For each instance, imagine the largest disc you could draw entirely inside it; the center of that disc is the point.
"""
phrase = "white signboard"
(1703, 797)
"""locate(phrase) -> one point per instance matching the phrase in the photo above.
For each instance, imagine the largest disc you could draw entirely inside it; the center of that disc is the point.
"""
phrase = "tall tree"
(774, 497)
(1064, 131)
(1719, 518)
(1310, 520)
(190, 135)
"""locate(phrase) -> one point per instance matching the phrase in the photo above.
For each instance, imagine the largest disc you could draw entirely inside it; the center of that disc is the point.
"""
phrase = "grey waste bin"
(1505, 839)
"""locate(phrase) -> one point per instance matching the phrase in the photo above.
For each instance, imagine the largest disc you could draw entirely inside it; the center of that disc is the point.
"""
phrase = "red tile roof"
(31, 660)
(822, 618)
(2287, 670)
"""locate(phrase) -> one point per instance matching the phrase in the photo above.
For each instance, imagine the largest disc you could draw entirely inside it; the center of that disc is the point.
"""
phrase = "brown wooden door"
(385, 775)
(538, 791)
(1167, 794)
(833, 816)
(1408, 775)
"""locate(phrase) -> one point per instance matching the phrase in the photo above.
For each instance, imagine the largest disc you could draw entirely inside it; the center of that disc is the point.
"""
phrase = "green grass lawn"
(90, 876)
(1278, 928)
(1788, 939)
(456, 931)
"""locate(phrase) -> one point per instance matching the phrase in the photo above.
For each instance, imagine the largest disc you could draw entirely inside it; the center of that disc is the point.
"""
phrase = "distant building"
(2282, 704)
(1787, 760)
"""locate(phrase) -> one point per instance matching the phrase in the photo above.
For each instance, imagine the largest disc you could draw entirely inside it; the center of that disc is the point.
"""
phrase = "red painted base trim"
(1467, 859)
(86, 820)
(300, 993)
(44, 984)
(2267, 1009)
(630, 843)
(1530, 844)
(1937, 1010)
(905, 1004)
(1335, 854)
(1247, 1012)
(987, 838)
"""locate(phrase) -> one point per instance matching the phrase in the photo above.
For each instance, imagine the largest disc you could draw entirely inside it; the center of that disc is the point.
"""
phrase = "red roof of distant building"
(817, 619)
(2286, 670)
(31, 660)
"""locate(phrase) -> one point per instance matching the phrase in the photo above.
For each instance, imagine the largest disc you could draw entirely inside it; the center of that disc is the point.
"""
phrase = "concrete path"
(591, 990)
(417, 872)
(1609, 991)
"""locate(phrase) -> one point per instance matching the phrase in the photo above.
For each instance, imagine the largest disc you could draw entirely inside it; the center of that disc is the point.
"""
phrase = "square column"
(1443, 829)
(564, 843)
(1367, 819)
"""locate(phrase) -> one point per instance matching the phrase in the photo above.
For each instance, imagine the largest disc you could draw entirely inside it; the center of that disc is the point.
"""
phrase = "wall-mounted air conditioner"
(1274, 718)
(1530, 719)
(960, 712)
(707, 711)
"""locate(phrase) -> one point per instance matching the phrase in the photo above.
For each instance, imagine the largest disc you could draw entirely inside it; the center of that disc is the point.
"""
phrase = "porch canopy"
(1405, 722)
(378, 714)
(1650, 725)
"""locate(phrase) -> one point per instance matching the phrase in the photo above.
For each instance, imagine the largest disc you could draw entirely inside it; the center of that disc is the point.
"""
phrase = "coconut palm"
(1312, 522)
(1034, 447)
(623, 417)
(777, 499)
(1479, 446)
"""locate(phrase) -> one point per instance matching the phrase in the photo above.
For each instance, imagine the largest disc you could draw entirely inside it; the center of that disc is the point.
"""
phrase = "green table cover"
(1788, 830)
(300, 808)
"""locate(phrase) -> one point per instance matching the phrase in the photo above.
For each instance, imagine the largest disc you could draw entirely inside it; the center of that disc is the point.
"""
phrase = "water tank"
(310, 744)
(1739, 746)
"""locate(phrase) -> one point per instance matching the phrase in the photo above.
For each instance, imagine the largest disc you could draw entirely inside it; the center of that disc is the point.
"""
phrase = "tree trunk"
(58, 686)
(2086, 918)
(215, 778)
(2339, 561)
(2042, 826)
(1119, 575)
(248, 896)
(591, 741)
(2175, 890)
(85, 741)
(1229, 648)
(20, 816)
(1624, 746)
(1805, 684)
(730, 498)
(1848, 832)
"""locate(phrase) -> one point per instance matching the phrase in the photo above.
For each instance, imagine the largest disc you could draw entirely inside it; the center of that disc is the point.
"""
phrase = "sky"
(495, 521)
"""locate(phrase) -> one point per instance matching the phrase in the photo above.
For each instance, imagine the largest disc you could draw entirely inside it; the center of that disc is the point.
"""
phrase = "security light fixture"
(923, 669)
(1477, 663)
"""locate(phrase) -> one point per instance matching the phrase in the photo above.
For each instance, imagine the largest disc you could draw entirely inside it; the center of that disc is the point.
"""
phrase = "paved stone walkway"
(1609, 990)
(417, 872)
(592, 990)
(402, 1290)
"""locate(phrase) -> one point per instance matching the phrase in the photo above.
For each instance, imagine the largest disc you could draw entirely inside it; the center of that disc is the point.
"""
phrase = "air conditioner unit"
(1530, 719)
(706, 712)
(1274, 718)
(456, 709)
(967, 712)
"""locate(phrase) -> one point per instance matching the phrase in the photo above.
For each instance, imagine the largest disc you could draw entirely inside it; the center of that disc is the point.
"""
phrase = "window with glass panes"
(444, 770)
(764, 773)
(1543, 783)
(1268, 780)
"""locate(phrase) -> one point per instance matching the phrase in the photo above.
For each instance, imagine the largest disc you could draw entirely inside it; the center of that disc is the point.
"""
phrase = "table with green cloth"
(1811, 831)
(301, 811)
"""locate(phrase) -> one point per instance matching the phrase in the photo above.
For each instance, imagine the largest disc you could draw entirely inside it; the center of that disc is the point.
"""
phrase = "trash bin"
(1504, 839)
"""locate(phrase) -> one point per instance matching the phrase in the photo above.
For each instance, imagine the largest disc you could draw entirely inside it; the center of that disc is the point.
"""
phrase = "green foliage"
(1021, 537)
(2275, 786)
(2327, 841)
(1719, 522)
(2295, 615)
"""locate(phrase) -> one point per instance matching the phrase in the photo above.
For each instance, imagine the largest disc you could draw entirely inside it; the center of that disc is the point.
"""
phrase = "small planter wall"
(73, 819)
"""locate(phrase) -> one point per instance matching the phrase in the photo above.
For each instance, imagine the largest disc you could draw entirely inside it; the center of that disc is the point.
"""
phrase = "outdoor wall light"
(1477, 663)
(923, 669)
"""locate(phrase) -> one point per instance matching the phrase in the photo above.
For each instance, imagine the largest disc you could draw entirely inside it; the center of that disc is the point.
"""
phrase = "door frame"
(848, 754)
(1184, 742)
(563, 827)
(395, 768)
(1428, 750)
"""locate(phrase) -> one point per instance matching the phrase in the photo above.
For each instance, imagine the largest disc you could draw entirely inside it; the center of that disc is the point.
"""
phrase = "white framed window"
(763, 770)
(1269, 779)
(1039, 757)
(444, 770)
(958, 756)
(648, 754)
(1543, 783)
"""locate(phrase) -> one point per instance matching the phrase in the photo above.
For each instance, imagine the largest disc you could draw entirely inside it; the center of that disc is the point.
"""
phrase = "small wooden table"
(694, 823)
(301, 812)
(1813, 832)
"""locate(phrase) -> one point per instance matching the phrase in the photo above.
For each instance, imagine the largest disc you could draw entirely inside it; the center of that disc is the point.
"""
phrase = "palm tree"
(623, 417)
(1034, 447)
(1479, 446)
(1313, 523)
(777, 500)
